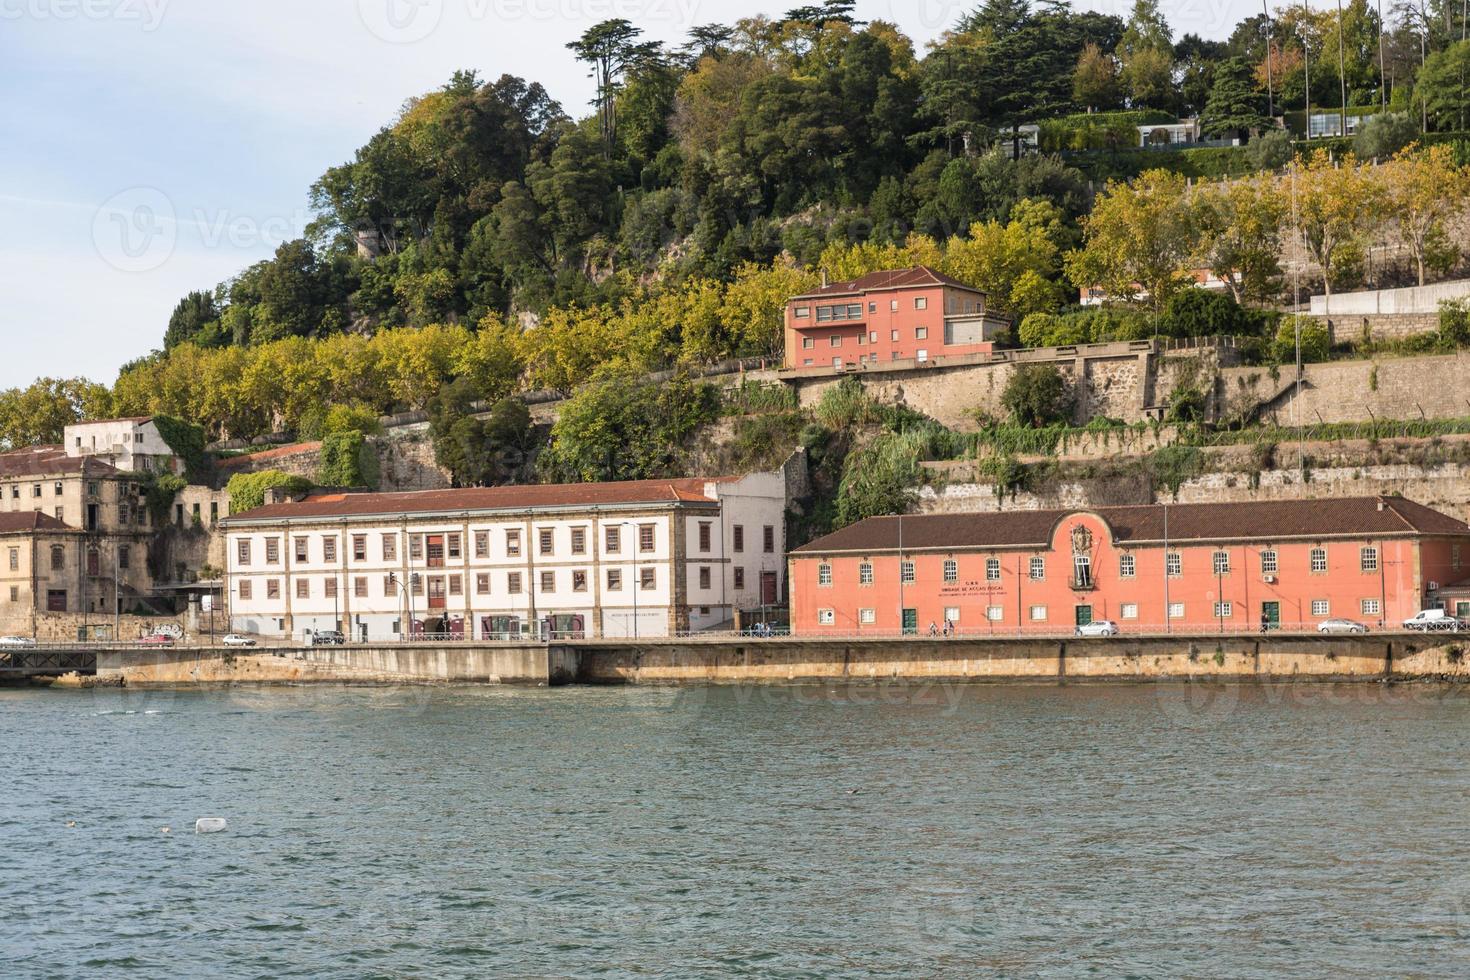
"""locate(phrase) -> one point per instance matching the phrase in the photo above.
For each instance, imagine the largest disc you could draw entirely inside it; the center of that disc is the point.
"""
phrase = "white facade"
(131, 445)
(636, 567)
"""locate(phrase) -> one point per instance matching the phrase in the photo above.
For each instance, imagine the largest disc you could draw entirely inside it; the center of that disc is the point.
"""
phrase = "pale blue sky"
(216, 115)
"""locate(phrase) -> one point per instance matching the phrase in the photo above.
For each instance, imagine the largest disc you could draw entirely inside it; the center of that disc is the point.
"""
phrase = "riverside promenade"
(792, 660)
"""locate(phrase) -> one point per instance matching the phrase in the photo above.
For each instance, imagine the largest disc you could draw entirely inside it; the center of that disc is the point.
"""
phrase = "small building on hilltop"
(133, 445)
(643, 558)
(1186, 568)
(914, 315)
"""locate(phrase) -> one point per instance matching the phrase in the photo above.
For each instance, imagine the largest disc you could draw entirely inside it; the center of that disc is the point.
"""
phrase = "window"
(1129, 610)
(995, 613)
(579, 540)
(906, 572)
(921, 302)
(359, 547)
(1455, 555)
(1223, 610)
(921, 333)
(545, 539)
(737, 538)
(15, 559)
(612, 540)
(513, 543)
(415, 587)
(456, 585)
(873, 338)
(854, 311)
(1368, 559)
(1369, 606)
(801, 312)
(951, 571)
(360, 586)
(272, 588)
(704, 536)
(704, 577)
(824, 574)
(415, 547)
(1176, 610)
(390, 547)
(647, 579)
(865, 573)
(768, 540)
(1221, 563)
(1319, 560)
(826, 617)
(56, 600)
(329, 549)
(303, 588)
(15, 593)
(921, 354)
(834, 341)
(1268, 563)
(513, 583)
(614, 580)
(329, 587)
(1038, 614)
(1126, 566)
(245, 588)
(1173, 565)
(867, 617)
(56, 489)
(482, 544)
(548, 582)
(58, 513)
(992, 569)
(1038, 568)
(390, 586)
(1320, 607)
(872, 307)
(454, 545)
(482, 584)
(808, 343)
(951, 614)
(1081, 572)
(272, 551)
(36, 490)
(124, 556)
(58, 558)
(893, 306)
(645, 537)
(299, 551)
(739, 578)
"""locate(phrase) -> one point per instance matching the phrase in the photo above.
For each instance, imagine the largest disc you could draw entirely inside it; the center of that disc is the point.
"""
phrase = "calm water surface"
(1142, 830)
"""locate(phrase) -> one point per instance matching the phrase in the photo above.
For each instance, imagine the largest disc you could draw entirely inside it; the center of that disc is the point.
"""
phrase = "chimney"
(1381, 505)
(824, 278)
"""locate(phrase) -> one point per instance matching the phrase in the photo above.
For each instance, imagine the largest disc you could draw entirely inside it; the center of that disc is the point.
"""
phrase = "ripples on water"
(1147, 831)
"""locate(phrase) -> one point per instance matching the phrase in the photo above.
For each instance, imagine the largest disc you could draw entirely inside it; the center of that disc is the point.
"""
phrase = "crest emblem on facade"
(1081, 540)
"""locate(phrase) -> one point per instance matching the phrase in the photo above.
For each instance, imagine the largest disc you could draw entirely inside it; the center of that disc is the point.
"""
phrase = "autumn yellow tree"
(1237, 230)
(1015, 264)
(1138, 237)
(1422, 190)
(1332, 204)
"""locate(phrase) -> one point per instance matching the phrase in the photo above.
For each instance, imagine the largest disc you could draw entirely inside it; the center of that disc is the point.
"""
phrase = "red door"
(769, 592)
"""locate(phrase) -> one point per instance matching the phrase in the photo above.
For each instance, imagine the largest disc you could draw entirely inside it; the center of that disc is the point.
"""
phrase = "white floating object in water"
(209, 825)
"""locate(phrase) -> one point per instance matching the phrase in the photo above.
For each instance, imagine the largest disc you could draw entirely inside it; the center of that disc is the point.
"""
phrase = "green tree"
(347, 460)
(1095, 80)
(1147, 55)
(1037, 395)
(1139, 236)
(1442, 88)
(195, 314)
(38, 414)
(1234, 107)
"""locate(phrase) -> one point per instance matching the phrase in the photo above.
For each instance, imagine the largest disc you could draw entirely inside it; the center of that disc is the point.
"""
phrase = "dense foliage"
(247, 490)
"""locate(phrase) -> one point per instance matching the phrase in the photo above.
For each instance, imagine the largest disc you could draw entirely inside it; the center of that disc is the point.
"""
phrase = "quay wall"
(532, 664)
(794, 660)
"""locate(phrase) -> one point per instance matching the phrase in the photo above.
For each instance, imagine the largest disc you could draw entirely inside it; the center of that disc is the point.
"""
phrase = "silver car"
(1098, 627)
(16, 641)
(1340, 626)
(236, 640)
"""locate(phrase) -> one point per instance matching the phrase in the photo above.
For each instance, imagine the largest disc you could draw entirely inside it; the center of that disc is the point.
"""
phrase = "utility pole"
(1382, 70)
(1270, 95)
(1341, 70)
(1303, 32)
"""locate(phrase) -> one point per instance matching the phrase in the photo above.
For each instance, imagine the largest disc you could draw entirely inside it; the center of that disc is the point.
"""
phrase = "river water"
(1149, 830)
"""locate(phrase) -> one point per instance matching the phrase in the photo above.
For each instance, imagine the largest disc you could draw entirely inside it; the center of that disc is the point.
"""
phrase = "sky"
(152, 147)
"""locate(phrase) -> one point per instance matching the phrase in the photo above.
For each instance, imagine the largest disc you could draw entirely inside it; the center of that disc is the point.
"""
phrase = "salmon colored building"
(1190, 568)
(909, 314)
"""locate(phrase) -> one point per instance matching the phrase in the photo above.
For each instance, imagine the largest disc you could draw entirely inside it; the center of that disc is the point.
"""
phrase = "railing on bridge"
(47, 660)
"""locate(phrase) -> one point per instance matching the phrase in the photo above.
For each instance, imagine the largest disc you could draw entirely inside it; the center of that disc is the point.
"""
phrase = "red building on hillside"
(1188, 568)
(906, 315)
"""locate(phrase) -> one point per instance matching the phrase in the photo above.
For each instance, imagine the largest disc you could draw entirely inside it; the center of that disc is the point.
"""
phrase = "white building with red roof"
(640, 558)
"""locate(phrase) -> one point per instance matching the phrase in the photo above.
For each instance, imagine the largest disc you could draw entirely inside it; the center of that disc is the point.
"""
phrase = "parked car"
(16, 641)
(236, 640)
(328, 638)
(1098, 627)
(1427, 620)
(157, 640)
(1340, 626)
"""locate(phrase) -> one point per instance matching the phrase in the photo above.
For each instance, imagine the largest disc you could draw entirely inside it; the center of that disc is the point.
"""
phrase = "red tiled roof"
(519, 498)
(234, 462)
(137, 419)
(30, 520)
(1265, 520)
(917, 277)
(50, 461)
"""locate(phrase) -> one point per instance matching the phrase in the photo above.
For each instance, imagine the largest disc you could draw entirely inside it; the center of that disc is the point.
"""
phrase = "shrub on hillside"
(1269, 151)
(247, 490)
(1316, 341)
(1037, 395)
(1385, 134)
(1202, 313)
